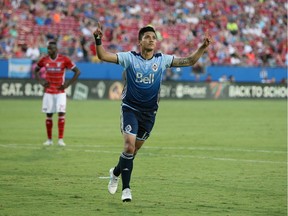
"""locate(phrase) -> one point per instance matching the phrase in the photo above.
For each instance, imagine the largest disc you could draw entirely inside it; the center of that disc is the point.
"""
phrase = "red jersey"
(55, 71)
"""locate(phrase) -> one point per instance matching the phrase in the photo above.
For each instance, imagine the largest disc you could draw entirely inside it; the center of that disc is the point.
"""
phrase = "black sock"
(126, 167)
(117, 169)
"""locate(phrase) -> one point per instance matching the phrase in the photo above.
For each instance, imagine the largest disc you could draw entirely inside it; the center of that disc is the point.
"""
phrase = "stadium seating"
(261, 25)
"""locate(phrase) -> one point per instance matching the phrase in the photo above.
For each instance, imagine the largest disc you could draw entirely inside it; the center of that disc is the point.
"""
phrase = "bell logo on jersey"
(144, 79)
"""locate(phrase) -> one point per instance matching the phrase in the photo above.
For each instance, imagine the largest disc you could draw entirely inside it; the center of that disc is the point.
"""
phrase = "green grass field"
(204, 158)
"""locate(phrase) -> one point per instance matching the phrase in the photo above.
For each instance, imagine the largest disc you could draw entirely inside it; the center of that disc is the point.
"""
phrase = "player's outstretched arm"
(194, 57)
(101, 52)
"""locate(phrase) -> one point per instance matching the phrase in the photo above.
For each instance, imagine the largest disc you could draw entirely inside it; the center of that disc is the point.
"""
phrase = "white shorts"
(54, 103)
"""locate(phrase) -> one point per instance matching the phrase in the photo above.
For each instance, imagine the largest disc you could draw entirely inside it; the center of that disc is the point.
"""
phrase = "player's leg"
(48, 108)
(61, 125)
(146, 123)
(126, 165)
(138, 145)
(129, 128)
(49, 126)
(61, 109)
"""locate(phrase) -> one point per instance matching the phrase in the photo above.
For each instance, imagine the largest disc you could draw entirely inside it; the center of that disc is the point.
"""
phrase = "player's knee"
(129, 148)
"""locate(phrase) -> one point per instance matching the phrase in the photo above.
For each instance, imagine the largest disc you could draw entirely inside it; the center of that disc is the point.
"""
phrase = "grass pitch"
(203, 158)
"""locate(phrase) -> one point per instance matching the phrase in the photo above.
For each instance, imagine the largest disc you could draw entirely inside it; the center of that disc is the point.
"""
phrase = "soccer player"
(140, 97)
(54, 99)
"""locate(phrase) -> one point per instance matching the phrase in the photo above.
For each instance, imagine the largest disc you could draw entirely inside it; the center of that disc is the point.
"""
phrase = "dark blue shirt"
(143, 79)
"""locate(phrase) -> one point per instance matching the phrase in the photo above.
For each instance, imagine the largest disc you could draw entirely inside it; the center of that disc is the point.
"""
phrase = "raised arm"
(101, 52)
(194, 57)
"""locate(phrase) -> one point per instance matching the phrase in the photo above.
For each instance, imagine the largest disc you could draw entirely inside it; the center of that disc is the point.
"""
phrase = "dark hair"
(52, 43)
(145, 29)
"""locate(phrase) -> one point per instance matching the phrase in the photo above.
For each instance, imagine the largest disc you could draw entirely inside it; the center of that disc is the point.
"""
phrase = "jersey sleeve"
(124, 59)
(69, 64)
(41, 62)
(167, 60)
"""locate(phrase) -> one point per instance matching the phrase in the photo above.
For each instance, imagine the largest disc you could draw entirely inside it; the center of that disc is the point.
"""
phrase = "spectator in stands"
(235, 59)
(223, 79)
(39, 20)
(42, 45)
(197, 70)
(48, 19)
(232, 27)
(84, 46)
(231, 79)
(208, 79)
(78, 51)
(284, 81)
(2, 52)
(17, 52)
(33, 52)
(8, 47)
(168, 74)
(57, 17)
(13, 32)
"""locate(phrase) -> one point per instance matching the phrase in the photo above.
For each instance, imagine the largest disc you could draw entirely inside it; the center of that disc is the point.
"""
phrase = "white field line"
(35, 147)
(104, 177)
(216, 149)
(170, 148)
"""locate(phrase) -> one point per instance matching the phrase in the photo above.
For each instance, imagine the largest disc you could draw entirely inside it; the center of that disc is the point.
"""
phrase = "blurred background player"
(54, 99)
(140, 97)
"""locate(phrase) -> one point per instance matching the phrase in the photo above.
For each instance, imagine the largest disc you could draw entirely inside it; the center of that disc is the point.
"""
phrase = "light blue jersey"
(143, 79)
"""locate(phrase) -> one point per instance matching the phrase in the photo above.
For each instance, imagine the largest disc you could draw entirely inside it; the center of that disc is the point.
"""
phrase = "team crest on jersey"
(59, 64)
(154, 67)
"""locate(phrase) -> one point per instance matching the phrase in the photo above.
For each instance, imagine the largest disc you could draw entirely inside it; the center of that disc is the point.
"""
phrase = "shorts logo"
(128, 128)
(154, 67)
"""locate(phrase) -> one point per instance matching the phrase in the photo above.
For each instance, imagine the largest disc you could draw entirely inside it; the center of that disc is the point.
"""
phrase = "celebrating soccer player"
(140, 97)
(54, 99)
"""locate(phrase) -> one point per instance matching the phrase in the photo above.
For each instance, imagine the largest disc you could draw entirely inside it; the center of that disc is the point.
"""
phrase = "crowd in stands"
(246, 32)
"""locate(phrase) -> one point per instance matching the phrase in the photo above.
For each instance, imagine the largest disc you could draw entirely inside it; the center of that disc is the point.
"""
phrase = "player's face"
(148, 41)
(52, 50)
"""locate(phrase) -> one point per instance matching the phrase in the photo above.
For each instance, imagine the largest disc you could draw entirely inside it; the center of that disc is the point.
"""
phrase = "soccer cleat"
(61, 142)
(113, 183)
(48, 142)
(126, 195)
